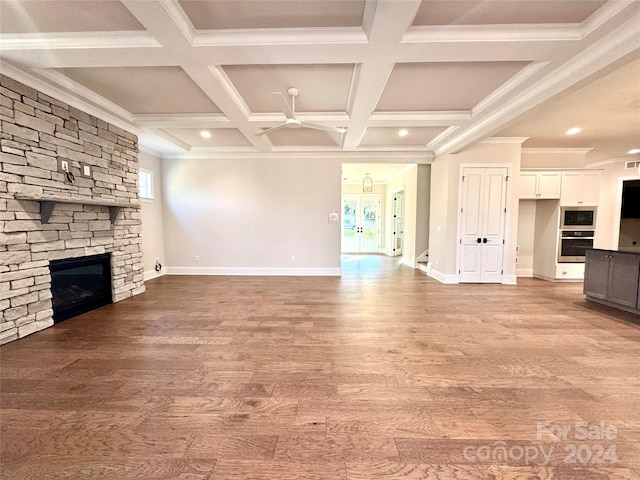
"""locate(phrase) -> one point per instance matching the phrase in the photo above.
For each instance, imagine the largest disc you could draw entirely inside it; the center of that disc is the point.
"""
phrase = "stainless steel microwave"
(578, 218)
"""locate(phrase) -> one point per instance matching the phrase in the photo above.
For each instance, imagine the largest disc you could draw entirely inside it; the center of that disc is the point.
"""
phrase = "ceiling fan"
(292, 121)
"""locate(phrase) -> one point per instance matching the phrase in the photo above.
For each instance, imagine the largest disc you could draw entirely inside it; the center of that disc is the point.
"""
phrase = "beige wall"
(445, 182)
(251, 216)
(152, 219)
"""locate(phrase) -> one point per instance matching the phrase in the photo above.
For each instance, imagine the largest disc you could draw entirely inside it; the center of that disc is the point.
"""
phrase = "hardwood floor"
(381, 374)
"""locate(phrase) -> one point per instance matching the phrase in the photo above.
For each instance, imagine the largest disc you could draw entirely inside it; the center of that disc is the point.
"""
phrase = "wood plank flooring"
(381, 374)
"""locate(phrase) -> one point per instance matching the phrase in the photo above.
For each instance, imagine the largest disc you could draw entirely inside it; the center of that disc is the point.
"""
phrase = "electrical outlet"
(64, 165)
(197, 258)
(293, 258)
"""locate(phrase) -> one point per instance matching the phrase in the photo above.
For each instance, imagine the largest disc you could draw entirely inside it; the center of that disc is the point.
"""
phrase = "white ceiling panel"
(323, 88)
(243, 14)
(504, 12)
(145, 89)
(65, 16)
(428, 86)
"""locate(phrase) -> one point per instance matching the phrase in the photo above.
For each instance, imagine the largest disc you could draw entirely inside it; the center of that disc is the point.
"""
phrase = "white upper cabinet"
(540, 185)
(580, 188)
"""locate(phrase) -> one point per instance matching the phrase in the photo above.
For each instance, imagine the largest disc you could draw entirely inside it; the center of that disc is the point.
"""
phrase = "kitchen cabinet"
(612, 278)
(540, 185)
(580, 188)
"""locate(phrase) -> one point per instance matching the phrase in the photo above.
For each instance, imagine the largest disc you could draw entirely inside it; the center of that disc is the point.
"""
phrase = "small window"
(146, 184)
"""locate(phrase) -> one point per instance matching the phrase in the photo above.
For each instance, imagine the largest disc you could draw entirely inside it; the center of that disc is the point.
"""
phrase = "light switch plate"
(85, 170)
(63, 165)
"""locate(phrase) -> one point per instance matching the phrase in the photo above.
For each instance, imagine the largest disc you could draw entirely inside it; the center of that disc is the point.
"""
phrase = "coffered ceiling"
(450, 73)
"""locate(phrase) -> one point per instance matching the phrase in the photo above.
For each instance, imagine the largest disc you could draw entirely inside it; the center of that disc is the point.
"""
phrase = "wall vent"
(630, 165)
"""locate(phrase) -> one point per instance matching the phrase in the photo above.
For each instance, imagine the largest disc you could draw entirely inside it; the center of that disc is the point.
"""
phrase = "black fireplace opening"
(79, 285)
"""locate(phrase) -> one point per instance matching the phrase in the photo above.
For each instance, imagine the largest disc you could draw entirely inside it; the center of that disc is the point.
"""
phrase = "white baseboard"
(443, 278)
(255, 271)
(151, 274)
(509, 280)
(524, 272)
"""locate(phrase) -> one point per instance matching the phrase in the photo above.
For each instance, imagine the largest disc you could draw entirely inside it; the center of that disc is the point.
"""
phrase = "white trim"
(524, 272)
(280, 36)
(501, 140)
(151, 274)
(492, 33)
(510, 85)
(547, 151)
(443, 278)
(422, 158)
(77, 40)
(509, 279)
(255, 271)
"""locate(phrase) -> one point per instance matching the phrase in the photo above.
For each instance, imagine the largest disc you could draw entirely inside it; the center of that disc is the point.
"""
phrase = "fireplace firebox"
(79, 285)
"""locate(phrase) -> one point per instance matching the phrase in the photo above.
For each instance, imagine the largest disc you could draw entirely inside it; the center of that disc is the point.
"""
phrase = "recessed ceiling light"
(205, 134)
(633, 151)
(573, 131)
(403, 132)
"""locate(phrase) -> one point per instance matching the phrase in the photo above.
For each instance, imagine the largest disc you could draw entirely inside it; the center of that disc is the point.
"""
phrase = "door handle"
(484, 240)
(478, 240)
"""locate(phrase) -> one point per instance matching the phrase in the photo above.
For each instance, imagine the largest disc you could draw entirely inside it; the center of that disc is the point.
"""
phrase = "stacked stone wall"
(37, 133)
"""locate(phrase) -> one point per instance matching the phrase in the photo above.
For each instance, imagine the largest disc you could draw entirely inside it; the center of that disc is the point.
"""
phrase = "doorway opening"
(360, 232)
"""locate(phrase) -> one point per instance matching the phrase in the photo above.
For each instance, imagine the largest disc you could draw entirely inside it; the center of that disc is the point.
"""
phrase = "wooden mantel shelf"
(47, 202)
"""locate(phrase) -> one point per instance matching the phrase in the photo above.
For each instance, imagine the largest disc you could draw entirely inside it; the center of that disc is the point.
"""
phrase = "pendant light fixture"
(367, 184)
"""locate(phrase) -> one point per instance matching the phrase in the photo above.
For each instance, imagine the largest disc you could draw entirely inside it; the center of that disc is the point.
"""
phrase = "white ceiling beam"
(385, 25)
(623, 41)
(166, 21)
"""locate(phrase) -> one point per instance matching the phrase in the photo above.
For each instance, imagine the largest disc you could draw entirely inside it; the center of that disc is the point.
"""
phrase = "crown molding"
(553, 150)
(509, 86)
(280, 36)
(77, 40)
(503, 140)
(189, 120)
(492, 33)
(602, 15)
(418, 119)
(250, 153)
(68, 91)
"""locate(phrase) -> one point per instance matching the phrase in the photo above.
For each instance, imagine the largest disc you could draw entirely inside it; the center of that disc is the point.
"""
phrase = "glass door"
(360, 223)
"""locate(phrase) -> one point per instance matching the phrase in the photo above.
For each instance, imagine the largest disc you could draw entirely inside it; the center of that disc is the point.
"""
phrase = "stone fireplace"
(68, 189)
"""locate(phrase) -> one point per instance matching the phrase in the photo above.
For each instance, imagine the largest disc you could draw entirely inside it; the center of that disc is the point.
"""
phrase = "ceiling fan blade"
(326, 128)
(272, 129)
(286, 108)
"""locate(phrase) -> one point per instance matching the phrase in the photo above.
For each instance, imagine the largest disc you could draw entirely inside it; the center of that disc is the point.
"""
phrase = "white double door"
(360, 223)
(482, 224)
